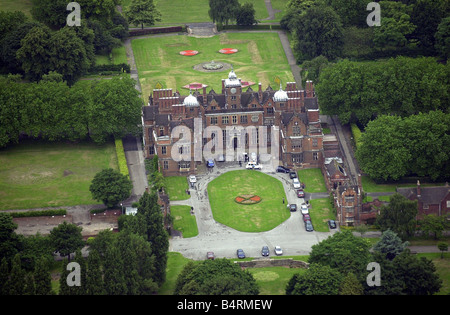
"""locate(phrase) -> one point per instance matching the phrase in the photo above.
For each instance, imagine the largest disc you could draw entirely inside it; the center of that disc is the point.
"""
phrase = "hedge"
(121, 159)
(121, 67)
(356, 135)
(40, 213)
(146, 31)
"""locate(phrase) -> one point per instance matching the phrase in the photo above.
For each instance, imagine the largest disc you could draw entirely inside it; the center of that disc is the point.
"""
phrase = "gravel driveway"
(224, 241)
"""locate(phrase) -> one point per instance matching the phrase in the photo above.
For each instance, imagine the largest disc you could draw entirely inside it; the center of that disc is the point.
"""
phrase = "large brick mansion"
(289, 119)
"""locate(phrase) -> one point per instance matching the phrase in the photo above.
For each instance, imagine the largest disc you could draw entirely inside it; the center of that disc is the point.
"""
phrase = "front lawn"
(184, 221)
(313, 179)
(176, 187)
(255, 217)
(321, 211)
(37, 174)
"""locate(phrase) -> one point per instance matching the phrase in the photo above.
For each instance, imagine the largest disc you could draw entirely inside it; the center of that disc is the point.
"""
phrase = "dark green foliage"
(215, 277)
(246, 15)
(110, 187)
(66, 238)
(223, 11)
(142, 12)
(317, 280)
(399, 216)
(390, 244)
(318, 31)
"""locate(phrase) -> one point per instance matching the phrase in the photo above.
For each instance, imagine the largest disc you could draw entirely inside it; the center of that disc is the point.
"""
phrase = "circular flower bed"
(247, 199)
(189, 52)
(228, 51)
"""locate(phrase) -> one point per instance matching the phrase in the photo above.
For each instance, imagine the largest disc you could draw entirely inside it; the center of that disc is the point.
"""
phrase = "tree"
(16, 277)
(317, 280)
(442, 38)
(442, 246)
(34, 54)
(318, 32)
(114, 276)
(68, 55)
(94, 276)
(110, 187)
(246, 15)
(9, 241)
(311, 68)
(399, 216)
(352, 12)
(150, 212)
(142, 12)
(42, 278)
(66, 238)
(390, 245)
(433, 224)
(215, 277)
(9, 21)
(52, 13)
(350, 285)
(223, 11)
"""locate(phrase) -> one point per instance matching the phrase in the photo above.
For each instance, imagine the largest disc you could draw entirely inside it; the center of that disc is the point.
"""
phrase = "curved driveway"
(224, 241)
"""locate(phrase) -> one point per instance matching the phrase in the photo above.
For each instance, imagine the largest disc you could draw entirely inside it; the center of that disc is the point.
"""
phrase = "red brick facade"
(284, 120)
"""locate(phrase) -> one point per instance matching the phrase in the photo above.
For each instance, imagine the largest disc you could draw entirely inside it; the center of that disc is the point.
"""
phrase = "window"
(314, 142)
(233, 98)
(253, 105)
(166, 165)
(151, 150)
(234, 119)
(233, 106)
(244, 119)
(270, 110)
(349, 198)
(281, 104)
(296, 131)
(297, 158)
(448, 203)
(213, 107)
(296, 144)
(213, 120)
(315, 156)
(225, 120)
(161, 131)
(163, 150)
(184, 164)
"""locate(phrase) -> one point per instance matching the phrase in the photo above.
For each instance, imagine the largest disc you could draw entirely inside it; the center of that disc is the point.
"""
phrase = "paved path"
(224, 241)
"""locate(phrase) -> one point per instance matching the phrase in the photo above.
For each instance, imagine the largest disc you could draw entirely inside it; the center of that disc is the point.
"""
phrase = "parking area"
(290, 235)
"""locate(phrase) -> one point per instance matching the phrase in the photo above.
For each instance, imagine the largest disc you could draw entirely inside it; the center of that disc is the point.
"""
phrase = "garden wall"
(261, 263)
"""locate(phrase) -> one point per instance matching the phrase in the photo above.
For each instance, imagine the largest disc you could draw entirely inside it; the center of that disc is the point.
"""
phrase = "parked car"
(308, 226)
(240, 253)
(210, 163)
(210, 255)
(253, 157)
(253, 166)
(192, 179)
(278, 251)
(293, 174)
(306, 217)
(304, 208)
(296, 183)
(332, 224)
(292, 207)
(282, 169)
(300, 193)
(265, 251)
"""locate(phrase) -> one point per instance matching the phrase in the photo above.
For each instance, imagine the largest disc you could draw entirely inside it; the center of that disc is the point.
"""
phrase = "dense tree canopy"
(54, 111)
(110, 187)
(414, 145)
(360, 91)
(143, 12)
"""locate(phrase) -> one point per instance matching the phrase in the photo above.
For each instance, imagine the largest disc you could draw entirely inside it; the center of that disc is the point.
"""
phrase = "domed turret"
(280, 95)
(191, 101)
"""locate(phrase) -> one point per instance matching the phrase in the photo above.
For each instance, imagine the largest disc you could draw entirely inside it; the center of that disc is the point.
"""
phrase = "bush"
(40, 213)
(121, 159)
(356, 135)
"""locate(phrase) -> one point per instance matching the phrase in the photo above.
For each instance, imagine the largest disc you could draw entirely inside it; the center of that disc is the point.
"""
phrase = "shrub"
(40, 213)
(356, 135)
(121, 159)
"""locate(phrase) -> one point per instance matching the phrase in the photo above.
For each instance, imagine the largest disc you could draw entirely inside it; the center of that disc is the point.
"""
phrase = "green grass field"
(262, 216)
(261, 58)
(16, 5)
(321, 211)
(313, 179)
(36, 174)
(176, 187)
(184, 221)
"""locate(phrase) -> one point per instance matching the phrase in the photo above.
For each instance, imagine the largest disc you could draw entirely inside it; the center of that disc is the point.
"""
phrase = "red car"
(300, 193)
(306, 217)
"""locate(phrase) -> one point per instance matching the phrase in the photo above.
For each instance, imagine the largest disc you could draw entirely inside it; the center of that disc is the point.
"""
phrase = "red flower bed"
(247, 199)
(189, 52)
(228, 51)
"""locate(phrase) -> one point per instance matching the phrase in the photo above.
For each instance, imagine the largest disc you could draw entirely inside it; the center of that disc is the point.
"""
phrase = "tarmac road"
(224, 241)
